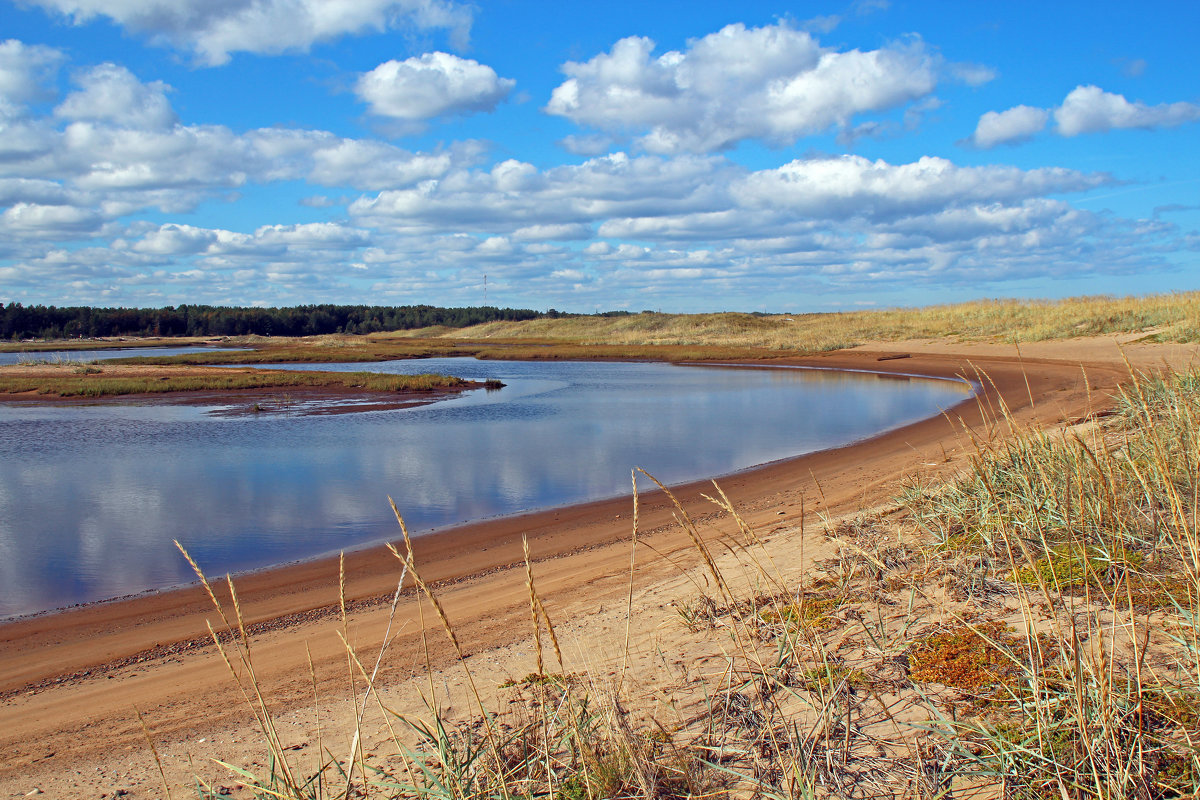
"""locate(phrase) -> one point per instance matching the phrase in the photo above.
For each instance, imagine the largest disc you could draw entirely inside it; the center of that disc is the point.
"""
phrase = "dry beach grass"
(1169, 318)
(1163, 318)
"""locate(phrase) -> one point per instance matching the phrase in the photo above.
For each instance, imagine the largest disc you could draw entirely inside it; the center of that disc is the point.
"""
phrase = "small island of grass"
(95, 380)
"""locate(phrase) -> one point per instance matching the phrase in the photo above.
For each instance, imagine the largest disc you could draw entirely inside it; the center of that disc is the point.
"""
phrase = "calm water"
(101, 355)
(91, 497)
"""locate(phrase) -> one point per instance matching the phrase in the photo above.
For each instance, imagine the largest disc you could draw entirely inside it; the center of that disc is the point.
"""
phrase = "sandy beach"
(70, 682)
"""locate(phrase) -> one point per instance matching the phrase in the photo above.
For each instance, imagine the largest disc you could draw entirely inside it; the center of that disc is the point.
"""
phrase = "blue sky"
(699, 157)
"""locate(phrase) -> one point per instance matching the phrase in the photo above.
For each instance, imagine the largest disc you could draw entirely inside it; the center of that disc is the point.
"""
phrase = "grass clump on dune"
(1095, 537)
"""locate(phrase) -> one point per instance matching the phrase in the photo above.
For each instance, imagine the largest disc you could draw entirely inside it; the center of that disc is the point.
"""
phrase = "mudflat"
(70, 682)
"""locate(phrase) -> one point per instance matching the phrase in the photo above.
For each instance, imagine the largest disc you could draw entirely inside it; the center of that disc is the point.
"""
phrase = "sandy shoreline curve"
(69, 680)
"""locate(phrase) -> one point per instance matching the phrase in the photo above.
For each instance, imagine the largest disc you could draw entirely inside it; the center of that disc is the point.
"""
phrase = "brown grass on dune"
(1173, 317)
(727, 336)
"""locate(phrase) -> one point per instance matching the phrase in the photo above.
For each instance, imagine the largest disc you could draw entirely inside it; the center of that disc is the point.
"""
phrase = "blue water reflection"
(87, 356)
(91, 497)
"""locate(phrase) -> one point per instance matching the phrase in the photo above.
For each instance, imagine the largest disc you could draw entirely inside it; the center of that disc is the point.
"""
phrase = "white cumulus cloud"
(850, 186)
(1016, 124)
(772, 83)
(25, 72)
(1090, 109)
(431, 85)
(112, 93)
(214, 29)
(49, 220)
(175, 240)
(1087, 109)
(514, 194)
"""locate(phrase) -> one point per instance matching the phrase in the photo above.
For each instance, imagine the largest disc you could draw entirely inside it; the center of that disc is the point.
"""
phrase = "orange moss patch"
(966, 657)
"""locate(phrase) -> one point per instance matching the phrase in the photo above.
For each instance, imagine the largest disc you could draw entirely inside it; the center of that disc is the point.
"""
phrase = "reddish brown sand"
(69, 682)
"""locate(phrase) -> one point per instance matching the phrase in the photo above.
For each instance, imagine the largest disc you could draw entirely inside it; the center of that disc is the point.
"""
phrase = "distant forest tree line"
(49, 322)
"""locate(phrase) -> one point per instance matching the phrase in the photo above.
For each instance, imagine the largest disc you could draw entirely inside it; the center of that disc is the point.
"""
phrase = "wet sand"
(69, 681)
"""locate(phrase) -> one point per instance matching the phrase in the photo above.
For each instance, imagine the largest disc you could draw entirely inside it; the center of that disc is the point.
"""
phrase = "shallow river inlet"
(92, 496)
(87, 356)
